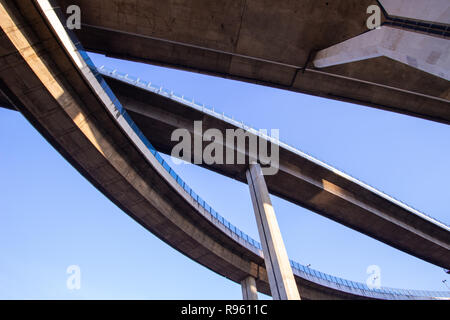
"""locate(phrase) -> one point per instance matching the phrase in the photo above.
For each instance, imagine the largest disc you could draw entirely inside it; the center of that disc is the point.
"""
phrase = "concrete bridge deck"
(46, 74)
(274, 43)
(301, 179)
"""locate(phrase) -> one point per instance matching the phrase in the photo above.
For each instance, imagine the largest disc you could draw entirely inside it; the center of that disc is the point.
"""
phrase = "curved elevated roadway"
(301, 178)
(46, 74)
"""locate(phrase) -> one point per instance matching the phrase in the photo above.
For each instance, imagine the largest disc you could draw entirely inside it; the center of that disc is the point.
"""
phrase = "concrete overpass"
(46, 74)
(323, 48)
(301, 179)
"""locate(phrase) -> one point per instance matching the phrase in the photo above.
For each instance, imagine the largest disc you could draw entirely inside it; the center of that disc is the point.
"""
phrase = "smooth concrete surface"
(279, 271)
(268, 43)
(301, 180)
(429, 10)
(73, 113)
(421, 51)
(249, 291)
(45, 78)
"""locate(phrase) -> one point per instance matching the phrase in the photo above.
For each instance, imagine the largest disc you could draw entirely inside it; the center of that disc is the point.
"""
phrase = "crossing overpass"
(301, 179)
(46, 74)
(323, 48)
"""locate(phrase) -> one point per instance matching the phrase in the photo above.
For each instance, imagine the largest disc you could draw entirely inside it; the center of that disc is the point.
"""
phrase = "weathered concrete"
(279, 271)
(301, 180)
(430, 10)
(269, 43)
(71, 110)
(424, 52)
(249, 291)
(43, 76)
(53, 88)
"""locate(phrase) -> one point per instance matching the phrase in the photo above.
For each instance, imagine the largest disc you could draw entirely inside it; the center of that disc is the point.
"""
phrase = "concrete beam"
(301, 180)
(249, 291)
(258, 42)
(420, 51)
(279, 271)
(110, 154)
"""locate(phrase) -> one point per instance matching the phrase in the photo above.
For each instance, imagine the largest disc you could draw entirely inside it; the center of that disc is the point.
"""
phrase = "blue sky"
(51, 217)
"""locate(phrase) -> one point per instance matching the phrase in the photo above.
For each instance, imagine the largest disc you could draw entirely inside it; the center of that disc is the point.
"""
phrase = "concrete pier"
(249, 291)
(279, 271)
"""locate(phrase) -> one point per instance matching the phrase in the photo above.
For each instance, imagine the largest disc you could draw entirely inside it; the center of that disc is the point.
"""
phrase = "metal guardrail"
(299, 269)
(190, 102)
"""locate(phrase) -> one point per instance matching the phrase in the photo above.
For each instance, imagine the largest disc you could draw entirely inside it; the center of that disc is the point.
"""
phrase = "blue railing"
(364, 288)
(164, 163)
(191, 102)
(298, 268)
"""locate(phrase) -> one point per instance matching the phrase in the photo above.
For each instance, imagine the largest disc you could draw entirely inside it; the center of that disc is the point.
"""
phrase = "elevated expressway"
(48, 77)
(323, 48)
(301, 179)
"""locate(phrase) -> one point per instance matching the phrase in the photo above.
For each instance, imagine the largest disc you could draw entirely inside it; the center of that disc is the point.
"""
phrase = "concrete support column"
(249, 291)
(279, 271)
